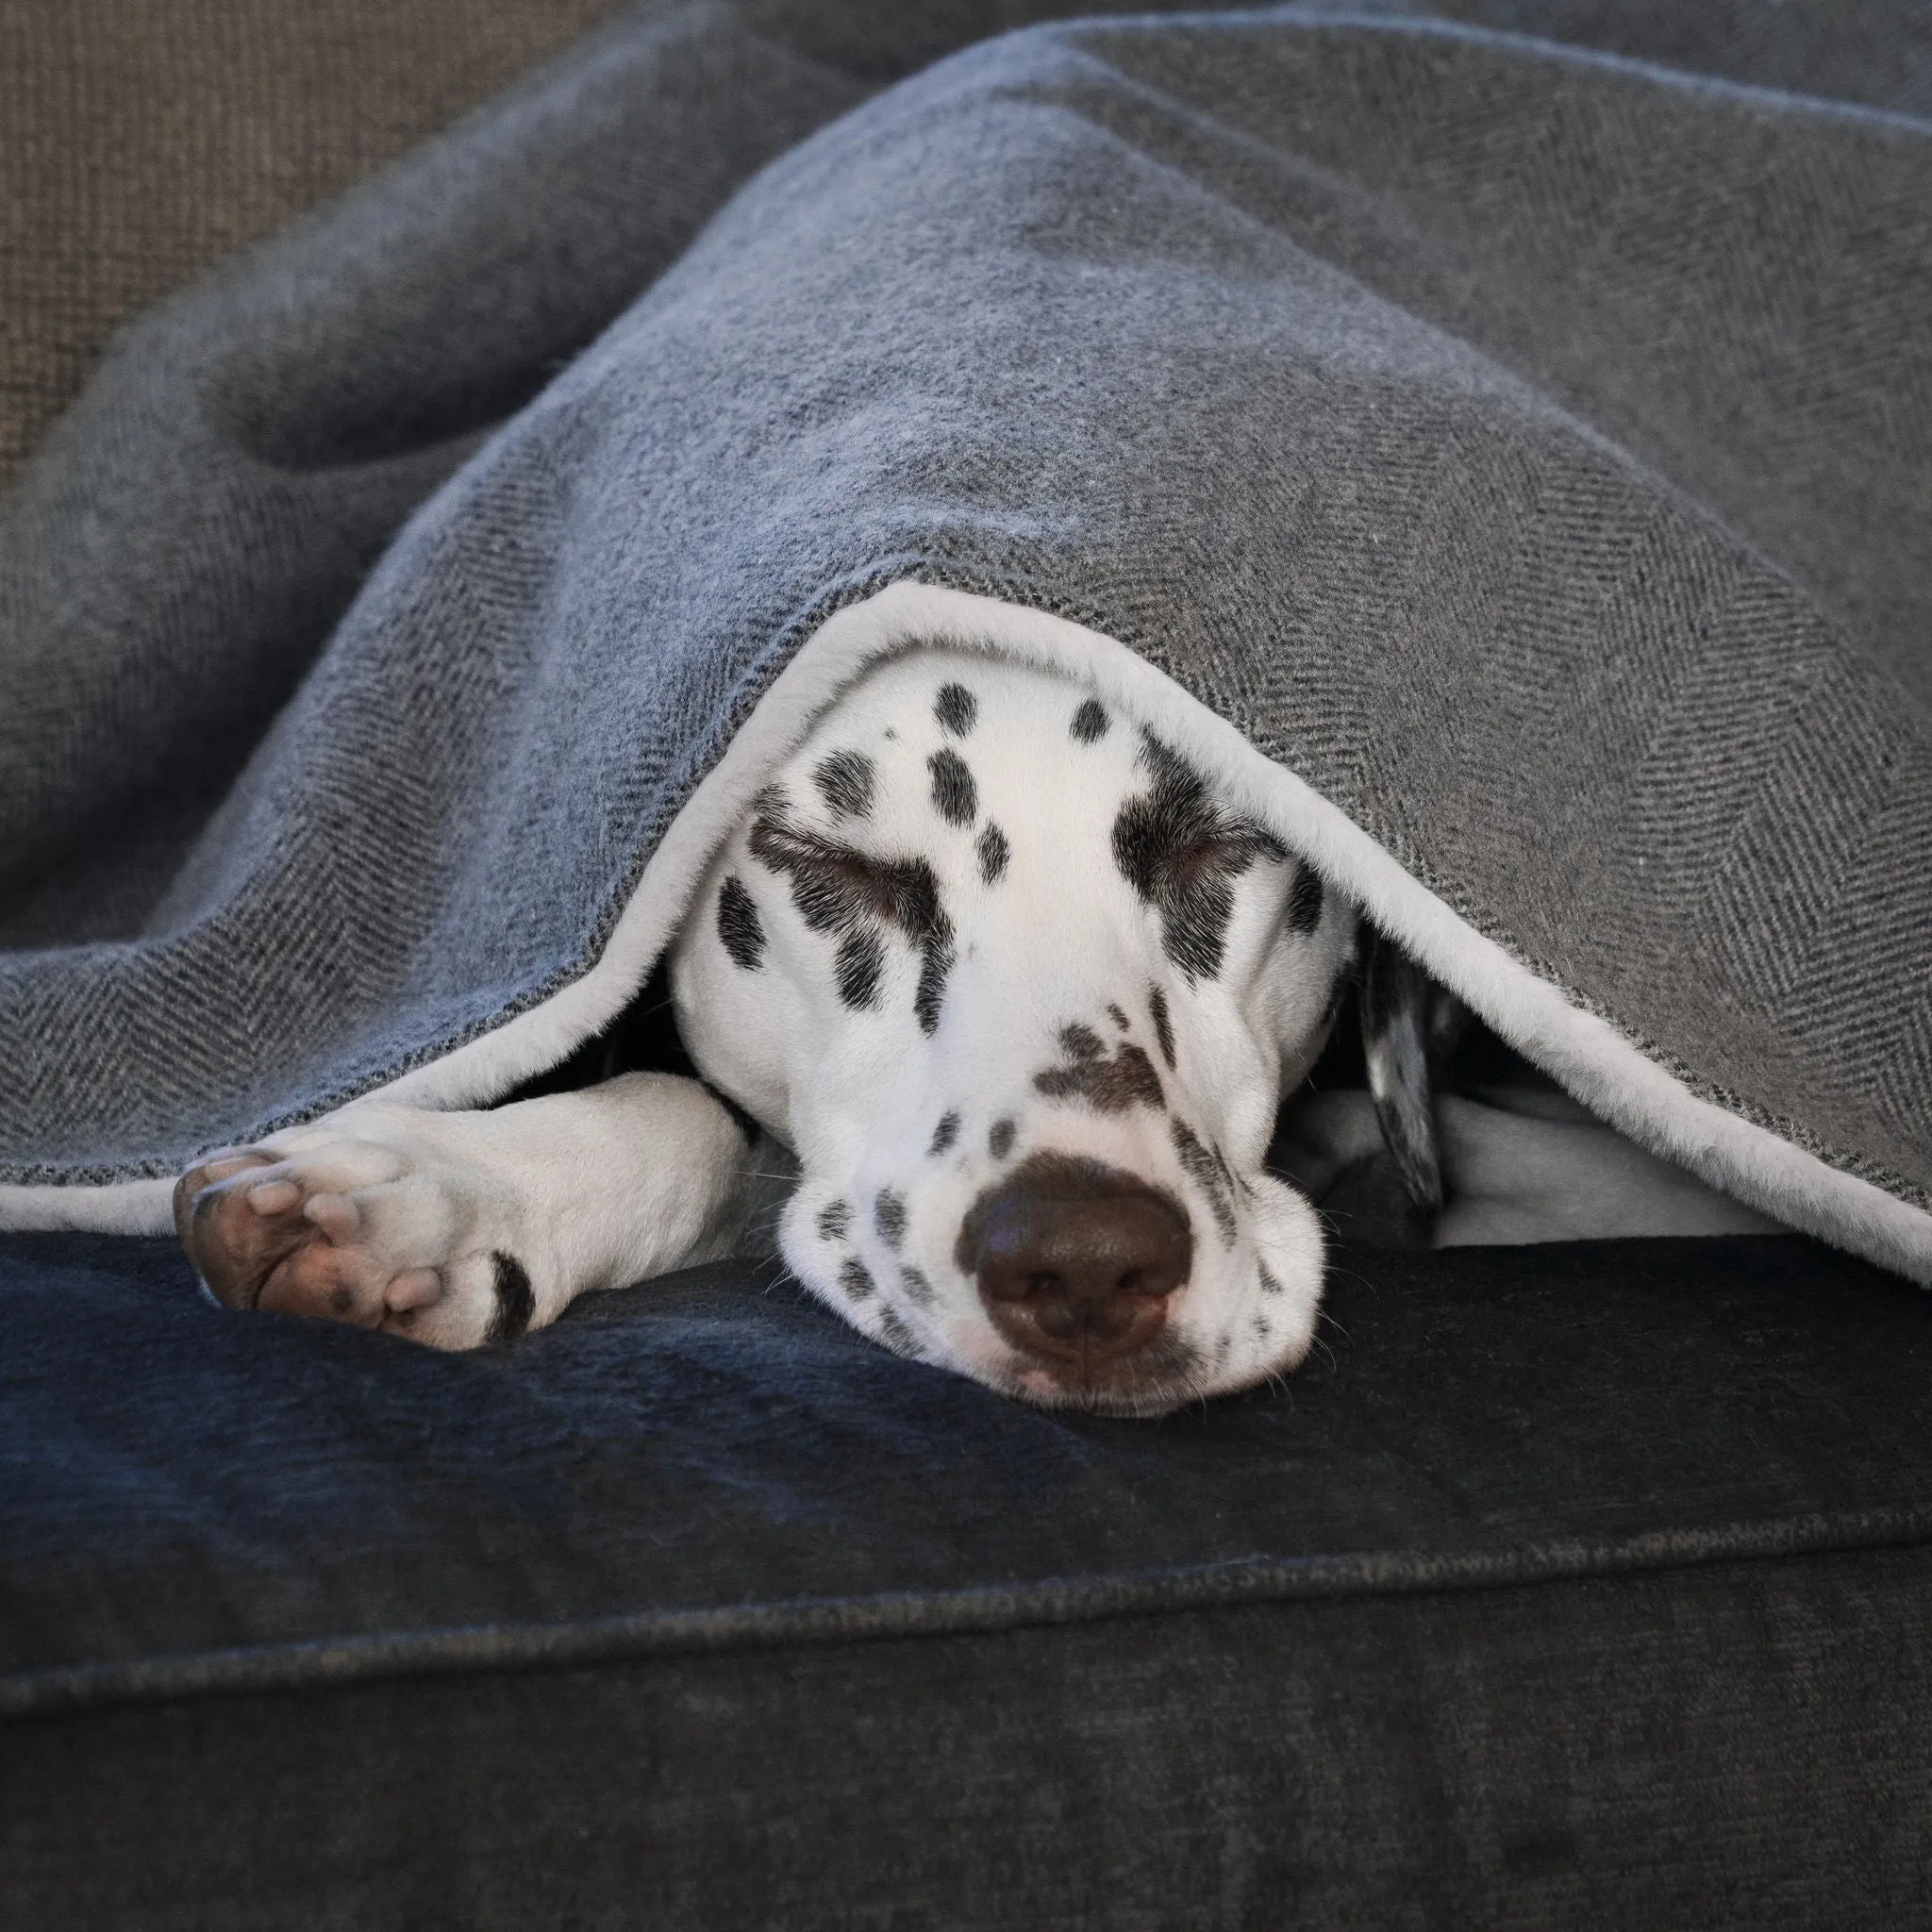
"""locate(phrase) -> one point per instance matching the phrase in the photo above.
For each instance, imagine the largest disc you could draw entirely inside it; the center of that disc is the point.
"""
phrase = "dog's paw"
(360, 1227)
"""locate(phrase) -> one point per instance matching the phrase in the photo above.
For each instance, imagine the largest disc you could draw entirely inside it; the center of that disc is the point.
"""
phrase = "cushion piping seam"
(979, 1610)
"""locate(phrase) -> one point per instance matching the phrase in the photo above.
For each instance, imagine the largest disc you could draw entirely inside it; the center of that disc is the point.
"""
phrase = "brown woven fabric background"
(142, 139)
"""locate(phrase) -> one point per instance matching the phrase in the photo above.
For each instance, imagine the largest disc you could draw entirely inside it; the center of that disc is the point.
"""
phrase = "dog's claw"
(421, 1288)
(336, 1215)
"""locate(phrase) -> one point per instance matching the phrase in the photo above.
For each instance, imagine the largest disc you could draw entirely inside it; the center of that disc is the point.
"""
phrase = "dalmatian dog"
(1020, 992)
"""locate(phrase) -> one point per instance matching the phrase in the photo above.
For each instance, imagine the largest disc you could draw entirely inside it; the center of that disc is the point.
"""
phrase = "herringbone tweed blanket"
(1502, 446)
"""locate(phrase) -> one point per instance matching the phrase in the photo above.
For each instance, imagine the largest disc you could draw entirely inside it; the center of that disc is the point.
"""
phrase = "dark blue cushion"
(1561, 1569)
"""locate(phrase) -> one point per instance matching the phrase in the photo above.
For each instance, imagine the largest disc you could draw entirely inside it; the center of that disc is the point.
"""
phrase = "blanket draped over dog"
(1500, 446)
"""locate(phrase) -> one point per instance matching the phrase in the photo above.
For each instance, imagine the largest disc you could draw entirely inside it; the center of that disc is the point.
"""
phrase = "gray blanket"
(1507, 458)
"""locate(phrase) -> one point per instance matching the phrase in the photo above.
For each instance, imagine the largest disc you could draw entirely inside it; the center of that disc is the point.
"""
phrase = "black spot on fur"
(994, 853)
(1268, 1284)
(839, 889)
(955, 707)
(855, 1278)
(929, 997)
(1081, 1042)
(1179, 851)
(1305, 901)
(1109, 1084)
(1163, 1024)
(1089, 722)
(1261, 1329)
(515, 1301)
(835, 1221)
(1209, 1171)
(845, 782)
(955, 796)
(1117, 1016)
(999, 1142)
(889, 1217)
(740, 930)
(861, 963)
(894, 1334)
(945, 1133)
(919, 1290)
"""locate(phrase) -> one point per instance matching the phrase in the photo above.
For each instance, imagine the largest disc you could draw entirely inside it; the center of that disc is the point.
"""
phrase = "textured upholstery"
(143, 140)
(1575, 1585)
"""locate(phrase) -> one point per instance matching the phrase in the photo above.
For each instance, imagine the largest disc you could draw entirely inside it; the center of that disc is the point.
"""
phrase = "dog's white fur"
(1058, 939)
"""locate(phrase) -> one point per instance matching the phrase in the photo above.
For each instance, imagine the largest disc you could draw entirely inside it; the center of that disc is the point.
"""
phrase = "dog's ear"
(1409, 1028)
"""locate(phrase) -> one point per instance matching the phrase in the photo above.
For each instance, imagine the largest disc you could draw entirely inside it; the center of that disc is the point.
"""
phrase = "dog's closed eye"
(839, 890)
(835, 886)
(1180, 851)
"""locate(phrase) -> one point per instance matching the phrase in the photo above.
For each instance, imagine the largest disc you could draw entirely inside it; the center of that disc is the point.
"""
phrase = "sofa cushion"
(1565, 1573)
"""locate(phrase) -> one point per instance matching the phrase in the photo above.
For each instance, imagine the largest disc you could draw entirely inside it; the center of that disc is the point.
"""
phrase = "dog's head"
(1022, 993)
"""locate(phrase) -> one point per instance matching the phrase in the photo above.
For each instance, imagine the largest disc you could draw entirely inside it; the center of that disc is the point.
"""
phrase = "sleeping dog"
(1019, 994)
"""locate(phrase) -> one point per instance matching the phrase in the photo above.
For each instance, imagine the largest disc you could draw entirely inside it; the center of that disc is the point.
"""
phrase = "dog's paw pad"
(320, 1277)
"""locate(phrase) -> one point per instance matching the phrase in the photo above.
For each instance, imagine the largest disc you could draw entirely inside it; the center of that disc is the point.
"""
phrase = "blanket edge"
(1635, 1091)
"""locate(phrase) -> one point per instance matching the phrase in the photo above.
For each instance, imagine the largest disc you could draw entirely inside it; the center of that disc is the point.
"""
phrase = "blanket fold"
(1510, 460)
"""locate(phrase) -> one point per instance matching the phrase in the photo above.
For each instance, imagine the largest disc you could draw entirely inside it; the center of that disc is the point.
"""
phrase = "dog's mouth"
(1164, 1376)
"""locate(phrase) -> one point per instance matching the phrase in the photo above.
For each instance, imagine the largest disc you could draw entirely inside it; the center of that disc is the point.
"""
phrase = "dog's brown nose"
(1075, 1260)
